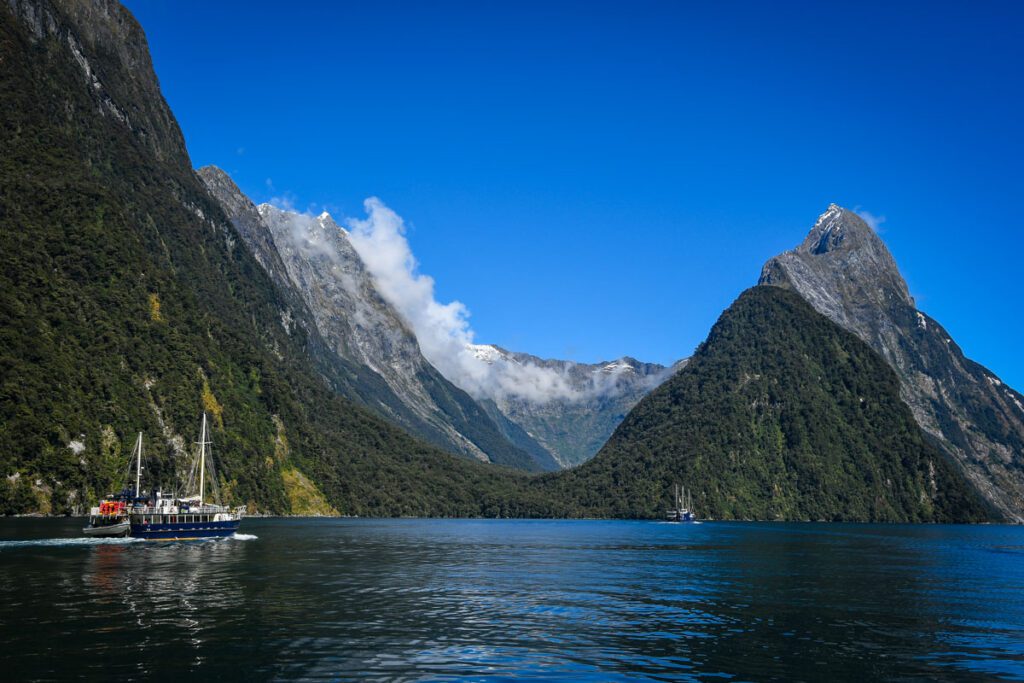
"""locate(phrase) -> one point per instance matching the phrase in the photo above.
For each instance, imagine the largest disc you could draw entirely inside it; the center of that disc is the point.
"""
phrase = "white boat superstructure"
(167, 516)
(682, 510)
(187, 515)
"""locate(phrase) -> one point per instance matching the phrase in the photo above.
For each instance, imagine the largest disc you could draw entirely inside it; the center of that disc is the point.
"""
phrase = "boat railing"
(190, 510)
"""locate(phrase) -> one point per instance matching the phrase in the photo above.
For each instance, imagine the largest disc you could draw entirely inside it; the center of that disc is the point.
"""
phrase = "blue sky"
(596, 179)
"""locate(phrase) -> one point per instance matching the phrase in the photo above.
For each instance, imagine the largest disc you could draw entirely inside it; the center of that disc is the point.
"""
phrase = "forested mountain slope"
(846, 272)
(128, 302)
(780, 414)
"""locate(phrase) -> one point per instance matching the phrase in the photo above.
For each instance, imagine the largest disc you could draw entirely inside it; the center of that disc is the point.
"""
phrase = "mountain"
(312, 258)
(780, 414)
(499, 422)
(129, 301)
(573, 424)
(846, 273)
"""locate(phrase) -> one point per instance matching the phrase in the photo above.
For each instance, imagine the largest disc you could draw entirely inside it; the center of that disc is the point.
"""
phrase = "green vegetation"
(127, 303)
(780, 415)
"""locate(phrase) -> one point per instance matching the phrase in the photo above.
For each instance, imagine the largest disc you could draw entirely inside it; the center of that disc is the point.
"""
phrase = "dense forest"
(128, 303)
(780, 414)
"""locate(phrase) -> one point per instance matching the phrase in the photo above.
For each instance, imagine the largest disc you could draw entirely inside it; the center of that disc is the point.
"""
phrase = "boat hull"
(108, 530)
(182, 531)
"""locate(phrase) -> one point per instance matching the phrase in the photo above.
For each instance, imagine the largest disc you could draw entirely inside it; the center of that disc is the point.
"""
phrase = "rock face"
(573, 426)
(110, 51)
(845, 272)
(312, 257)
(780, 414)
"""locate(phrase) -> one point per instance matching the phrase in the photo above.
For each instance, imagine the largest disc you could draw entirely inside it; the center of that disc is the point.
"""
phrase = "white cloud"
(442, 329)
(874, 221)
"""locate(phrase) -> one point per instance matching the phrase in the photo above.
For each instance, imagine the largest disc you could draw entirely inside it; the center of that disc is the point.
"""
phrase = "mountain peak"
(841, 259)
(835, 229)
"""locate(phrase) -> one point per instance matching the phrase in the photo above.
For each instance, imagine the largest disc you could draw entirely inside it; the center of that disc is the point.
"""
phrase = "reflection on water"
(439, 599)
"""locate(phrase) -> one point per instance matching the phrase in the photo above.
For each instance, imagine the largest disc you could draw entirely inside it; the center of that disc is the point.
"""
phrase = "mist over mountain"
(568, 408)
(573, 427)
(362, 286)
(320, 266)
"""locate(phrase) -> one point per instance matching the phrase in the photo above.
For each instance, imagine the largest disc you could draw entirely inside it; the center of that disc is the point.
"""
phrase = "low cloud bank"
(443, 329)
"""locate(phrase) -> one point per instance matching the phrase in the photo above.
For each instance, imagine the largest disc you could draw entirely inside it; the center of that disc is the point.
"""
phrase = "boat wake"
(244, 537)
(62, 542)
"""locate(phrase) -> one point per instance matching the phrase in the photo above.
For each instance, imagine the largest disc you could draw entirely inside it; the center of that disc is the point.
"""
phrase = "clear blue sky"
(598, 179)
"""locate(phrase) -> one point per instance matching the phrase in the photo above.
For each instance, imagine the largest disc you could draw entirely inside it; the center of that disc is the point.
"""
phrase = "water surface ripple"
(522, 600)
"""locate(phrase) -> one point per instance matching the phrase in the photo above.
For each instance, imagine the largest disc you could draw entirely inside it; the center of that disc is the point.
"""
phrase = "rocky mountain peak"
(837, 228)
(844, 270)
(841, 259)
(222, 187)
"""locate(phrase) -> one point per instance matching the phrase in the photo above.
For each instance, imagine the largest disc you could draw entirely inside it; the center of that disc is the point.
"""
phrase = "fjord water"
(502, 599)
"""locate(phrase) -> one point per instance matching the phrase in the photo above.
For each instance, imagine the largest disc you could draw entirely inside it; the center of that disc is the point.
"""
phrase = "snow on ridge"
(617, 366)
(487, 353)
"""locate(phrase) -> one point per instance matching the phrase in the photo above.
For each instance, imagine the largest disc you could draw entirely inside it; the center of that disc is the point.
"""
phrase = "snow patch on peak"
(488, 353)
(621, 365)
(830, 216)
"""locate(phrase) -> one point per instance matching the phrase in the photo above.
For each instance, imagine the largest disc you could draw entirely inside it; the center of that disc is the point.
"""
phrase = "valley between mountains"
(136, 292)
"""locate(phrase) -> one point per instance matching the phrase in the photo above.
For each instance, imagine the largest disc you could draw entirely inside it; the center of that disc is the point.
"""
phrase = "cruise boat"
(189, 515)
(682, 511)
(110, 517)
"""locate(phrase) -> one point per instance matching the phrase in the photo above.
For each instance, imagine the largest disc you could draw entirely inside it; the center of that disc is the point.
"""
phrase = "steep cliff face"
(128, 302)
(780, 414)
(844, 270)
(111, 56)
(312, 258)
(574, 424)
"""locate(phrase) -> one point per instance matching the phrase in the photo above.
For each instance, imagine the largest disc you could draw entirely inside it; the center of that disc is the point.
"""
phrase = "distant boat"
(110, 517)
(187, 516)
(682, 509)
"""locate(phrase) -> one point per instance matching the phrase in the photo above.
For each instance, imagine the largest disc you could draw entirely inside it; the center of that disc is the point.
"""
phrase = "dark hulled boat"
(186, 517)
(110, 517)
(682, 510)
(167, 517)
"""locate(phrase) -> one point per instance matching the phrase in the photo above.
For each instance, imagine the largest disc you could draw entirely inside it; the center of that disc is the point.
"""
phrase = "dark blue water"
(528, 600)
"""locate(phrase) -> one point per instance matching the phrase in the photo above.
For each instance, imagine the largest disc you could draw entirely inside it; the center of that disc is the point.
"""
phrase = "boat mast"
(202, 460)
(138, 465)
